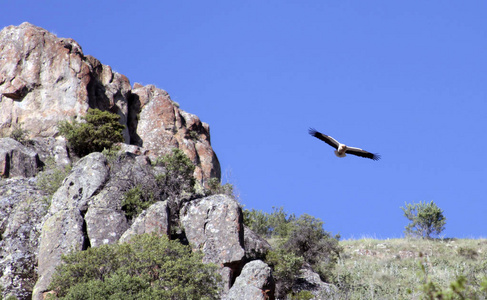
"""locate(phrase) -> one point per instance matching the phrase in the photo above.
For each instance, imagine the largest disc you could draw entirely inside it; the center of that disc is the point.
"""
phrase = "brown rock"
(161, 125)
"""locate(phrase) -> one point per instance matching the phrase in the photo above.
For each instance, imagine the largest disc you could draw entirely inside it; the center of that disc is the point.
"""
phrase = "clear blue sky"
(406, 79)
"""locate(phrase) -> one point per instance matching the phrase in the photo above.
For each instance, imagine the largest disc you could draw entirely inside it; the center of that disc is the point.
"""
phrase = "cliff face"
(45, 79)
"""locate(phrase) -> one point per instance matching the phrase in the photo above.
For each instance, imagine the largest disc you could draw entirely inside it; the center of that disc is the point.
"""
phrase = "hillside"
(387, 269)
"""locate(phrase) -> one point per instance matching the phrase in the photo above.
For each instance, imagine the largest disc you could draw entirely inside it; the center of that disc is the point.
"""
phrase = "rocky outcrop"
(45, 79)
(255, 282)
(161, 125)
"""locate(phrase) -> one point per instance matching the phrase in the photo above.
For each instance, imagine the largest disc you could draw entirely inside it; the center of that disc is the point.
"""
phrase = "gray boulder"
(154, 219)
(17, 159)
(310, 281)
(255, 282)
(214, 226)
(255, 246)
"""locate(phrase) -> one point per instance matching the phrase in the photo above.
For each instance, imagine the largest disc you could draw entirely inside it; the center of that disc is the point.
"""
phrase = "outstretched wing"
(362, 153)
(325, 138)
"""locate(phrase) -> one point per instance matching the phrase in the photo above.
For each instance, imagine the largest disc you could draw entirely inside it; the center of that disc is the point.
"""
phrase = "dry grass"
(392, 269)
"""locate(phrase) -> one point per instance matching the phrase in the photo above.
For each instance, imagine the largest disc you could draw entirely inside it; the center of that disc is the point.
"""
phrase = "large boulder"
(154, 219)
(17, 160)
(86, 211)
(255, 282)
(214, 225)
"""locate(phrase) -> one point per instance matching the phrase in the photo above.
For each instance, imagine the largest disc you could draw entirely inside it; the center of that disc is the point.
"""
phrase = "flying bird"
(342, 149)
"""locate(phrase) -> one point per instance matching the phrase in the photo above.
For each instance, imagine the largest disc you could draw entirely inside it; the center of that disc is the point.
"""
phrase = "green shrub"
(458, 289)
(309, 240)
(19, 134)
(215, 187)
(149, 267)
(100, 130)
(295, 241)
(136, 200)
(178, 178)
(286, 266)
(274, 225)
(426, 219)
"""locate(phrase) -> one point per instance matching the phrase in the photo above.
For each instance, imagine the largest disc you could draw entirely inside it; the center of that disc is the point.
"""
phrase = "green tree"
(99, 130)
(426, 219)
(149, 267)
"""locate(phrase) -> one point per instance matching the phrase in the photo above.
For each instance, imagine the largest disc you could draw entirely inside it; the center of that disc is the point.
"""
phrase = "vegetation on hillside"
(412, 269)
(149, 267)
(98, 130)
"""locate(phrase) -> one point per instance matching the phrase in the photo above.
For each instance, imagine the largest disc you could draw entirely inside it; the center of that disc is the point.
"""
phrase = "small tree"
(100, 130)
(426, 219)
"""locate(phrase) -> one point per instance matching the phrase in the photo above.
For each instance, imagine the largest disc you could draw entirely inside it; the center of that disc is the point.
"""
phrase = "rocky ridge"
(45, 79)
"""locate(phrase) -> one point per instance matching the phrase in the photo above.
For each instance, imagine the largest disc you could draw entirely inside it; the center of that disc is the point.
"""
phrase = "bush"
(215, 187)
(286, 266)
(149, 267)
(178, 178)
(276, 224)
(135, 201)
(318, 248)
(100, 130)
(426, 219)
(19, 134)
(295, 242)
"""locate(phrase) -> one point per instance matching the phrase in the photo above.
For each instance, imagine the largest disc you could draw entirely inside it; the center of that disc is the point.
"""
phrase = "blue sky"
(406, 79)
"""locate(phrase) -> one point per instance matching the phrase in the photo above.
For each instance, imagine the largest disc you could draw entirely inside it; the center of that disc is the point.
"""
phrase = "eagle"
(342, 149)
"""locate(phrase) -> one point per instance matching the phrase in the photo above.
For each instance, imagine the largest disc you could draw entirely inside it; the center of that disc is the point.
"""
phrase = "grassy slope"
(386, 269)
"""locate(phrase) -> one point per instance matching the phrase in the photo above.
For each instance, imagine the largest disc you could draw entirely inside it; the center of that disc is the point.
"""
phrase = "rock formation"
(45, 79)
